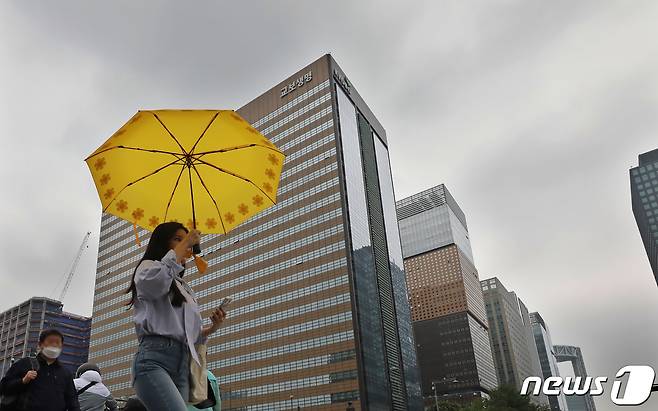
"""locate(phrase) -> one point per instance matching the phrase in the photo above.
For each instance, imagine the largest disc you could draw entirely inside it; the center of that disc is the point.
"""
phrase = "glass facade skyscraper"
(644, 197)
(320, 315)
(447, 309)
(21, 325)
(547, 358)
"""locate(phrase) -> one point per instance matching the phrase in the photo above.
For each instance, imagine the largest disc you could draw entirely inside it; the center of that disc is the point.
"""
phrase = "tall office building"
(320, 315)
(21, 325)
(574, 355)
(512, 340)
(547, 358)
(644, 193)
(447, 309)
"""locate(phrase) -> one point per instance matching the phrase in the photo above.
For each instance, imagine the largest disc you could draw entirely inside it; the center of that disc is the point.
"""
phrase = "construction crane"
(71, 273)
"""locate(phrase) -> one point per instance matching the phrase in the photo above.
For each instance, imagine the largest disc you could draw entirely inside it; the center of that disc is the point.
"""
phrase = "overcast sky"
(530, 112)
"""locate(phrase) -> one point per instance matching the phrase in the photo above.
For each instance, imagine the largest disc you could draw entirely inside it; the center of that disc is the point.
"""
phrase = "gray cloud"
(532, 114)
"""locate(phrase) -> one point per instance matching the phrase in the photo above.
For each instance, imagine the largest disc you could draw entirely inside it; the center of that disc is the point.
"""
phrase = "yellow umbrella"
(207, 169)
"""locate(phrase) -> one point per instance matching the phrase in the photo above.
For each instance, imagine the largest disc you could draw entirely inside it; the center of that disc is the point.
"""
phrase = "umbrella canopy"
(207, 169)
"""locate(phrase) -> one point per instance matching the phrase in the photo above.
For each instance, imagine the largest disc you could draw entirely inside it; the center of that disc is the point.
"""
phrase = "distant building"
(547, 358)
(568, 353)
(644, 198)
(512, 340)
(447, 309)
(21, 325)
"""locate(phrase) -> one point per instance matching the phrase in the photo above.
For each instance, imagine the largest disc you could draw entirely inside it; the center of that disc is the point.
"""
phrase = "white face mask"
(51, 352)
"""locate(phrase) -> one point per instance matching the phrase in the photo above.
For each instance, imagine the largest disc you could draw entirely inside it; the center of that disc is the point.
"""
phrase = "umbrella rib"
(138, 180)
(238, 148)
(189, 172)
(204, 132)
(237, 176)
(219, 214)
(171, 197)
(170, 133)
(177, 155)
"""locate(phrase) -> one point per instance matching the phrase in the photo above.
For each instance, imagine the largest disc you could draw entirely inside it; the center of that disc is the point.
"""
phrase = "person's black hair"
(47, 333)
(88, 366)
(157, 248)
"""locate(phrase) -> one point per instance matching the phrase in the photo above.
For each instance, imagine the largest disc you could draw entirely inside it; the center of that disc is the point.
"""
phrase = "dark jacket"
(52, 390)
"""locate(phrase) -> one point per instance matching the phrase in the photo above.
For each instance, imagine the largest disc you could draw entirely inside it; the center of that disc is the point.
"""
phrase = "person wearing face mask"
(40, 384)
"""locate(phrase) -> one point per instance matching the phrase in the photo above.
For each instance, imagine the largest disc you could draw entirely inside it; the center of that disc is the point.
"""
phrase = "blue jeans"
(161, 373)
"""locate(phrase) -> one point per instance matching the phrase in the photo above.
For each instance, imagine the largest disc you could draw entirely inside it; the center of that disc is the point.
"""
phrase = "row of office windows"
(302, 138)
(279, 267)
(291, 366)
(298, 260)
(281, 315)
(326, 140)
(108, 220)
(329, 152)
(291, 104)
(239, 266)
(272, 352)
(257, 244)
(282, 332)
(317, 305)
(238, 281)
(230, 239)
(291, 296)
(327, 187)
(303, 402)
(280, 350)
(258, 372)
(296, 114)
(290, 279)
(211, 290)
(302, 124)
(122, 231)
(291, 186)
(281, 386)
(267, 255)
(276, 237)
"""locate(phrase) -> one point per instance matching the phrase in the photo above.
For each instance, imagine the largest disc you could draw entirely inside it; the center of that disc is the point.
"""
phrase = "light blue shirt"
(153, 312)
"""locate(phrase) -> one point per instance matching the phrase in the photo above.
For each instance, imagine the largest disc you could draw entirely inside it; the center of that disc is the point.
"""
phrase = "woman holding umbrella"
(209, 168)
(167, 319)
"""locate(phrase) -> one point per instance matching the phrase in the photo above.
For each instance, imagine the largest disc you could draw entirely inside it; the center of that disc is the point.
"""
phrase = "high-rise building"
(644, 198)
(512, 340)
(21, 325)
(320, 314)
(547, 358)
(447, 308)
(574, 355)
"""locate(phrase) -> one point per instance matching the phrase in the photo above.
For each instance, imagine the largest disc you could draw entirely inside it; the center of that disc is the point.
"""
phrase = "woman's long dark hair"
(157, 248)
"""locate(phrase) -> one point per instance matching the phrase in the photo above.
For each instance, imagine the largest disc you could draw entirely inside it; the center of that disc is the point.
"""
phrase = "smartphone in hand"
(225, 303)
